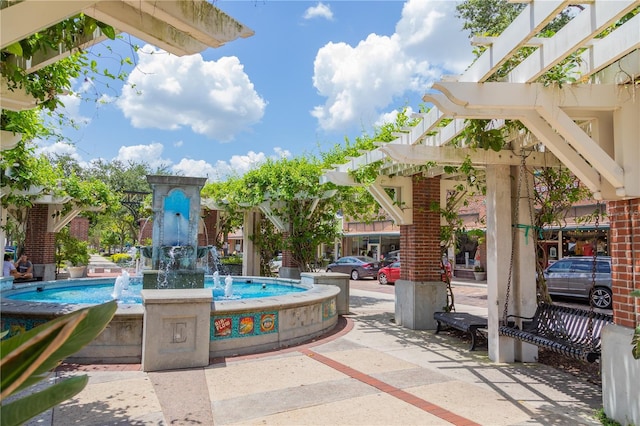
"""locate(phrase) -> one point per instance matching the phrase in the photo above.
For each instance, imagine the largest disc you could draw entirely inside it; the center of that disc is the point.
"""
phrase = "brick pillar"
(624, 219)
(419, 291)
(420, 242)
(145, 232)
(287, 258)
(40, 244)
(79, 228)
(210, 228)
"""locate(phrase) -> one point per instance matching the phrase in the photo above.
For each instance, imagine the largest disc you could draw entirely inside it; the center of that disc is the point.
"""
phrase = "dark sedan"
(356, 266)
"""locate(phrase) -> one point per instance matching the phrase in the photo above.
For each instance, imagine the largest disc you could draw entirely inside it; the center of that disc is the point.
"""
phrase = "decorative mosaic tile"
(19, 325)
(243, 325)
(329, 309)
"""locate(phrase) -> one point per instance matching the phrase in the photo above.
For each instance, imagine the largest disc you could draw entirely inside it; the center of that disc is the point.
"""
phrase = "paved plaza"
(367, 372)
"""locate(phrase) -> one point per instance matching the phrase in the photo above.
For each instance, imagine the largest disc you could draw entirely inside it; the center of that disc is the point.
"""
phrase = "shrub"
(121, 258)
(231, 260)
(71, 250)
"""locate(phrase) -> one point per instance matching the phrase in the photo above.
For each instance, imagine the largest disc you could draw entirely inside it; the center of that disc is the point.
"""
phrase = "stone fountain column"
(176, 217)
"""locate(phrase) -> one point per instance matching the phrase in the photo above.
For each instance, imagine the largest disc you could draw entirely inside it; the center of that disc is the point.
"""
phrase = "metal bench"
(572, 332)
(461, 321)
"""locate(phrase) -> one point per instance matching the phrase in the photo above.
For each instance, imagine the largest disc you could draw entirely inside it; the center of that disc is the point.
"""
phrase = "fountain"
(177, 312)
(121, 284)
(228, 287)
(174, 250)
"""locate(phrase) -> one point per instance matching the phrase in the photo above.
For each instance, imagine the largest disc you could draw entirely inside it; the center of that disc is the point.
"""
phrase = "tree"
(487, 17)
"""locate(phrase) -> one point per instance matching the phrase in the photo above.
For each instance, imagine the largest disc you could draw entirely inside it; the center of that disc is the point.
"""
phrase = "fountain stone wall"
(174, 249)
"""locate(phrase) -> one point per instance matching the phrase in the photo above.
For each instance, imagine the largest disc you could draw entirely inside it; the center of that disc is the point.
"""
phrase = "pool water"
(100, 293)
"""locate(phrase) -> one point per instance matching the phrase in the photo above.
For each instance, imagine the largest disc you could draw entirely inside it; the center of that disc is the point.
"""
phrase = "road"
(474, 295)
(465, 294)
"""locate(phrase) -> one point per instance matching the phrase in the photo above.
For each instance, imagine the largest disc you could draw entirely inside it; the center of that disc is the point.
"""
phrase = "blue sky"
(313, 74)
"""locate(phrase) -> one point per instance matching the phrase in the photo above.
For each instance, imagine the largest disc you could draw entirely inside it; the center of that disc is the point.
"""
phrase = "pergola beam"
(41, 14)
(595, 18)
(181, 27)
(399, 209)
(530, 21)
(445, 155)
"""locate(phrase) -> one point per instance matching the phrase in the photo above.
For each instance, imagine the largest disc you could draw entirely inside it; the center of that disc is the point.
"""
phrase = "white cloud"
(196, 168)
(59, 149)
(236, 166)
(150, 154)
(71, 109)
(359, 81)
(320, 10)
(213, 98)
(390, 117)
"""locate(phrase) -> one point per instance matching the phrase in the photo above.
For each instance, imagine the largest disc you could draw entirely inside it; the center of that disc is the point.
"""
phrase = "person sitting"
(24, 268)
(8, 268)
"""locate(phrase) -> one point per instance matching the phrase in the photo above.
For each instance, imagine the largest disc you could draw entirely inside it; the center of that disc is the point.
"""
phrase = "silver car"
(572, 277)
(356, 266)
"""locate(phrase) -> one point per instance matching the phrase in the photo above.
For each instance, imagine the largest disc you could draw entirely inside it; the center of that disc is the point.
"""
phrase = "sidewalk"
(370, 372)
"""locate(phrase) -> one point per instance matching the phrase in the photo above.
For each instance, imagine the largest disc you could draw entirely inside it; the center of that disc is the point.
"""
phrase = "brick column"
(420, 242)
(624, 219)
(39, 243)
(145, 231)
(210, 228)
(289, 268)
(419, 291)
(620, 371)
(79, 228)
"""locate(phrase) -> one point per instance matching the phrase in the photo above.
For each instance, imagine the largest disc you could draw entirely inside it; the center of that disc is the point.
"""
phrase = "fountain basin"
(237, 326)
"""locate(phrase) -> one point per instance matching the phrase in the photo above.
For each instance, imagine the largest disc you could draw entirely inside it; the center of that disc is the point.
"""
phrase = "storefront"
(575, 241)
(375, 245)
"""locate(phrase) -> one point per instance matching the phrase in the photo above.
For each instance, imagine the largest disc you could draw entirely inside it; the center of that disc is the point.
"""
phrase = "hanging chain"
(514, 234)
(594, 267)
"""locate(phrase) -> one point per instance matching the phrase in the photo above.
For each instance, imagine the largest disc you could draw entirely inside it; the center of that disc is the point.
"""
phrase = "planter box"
(76, 271)
(480, 276)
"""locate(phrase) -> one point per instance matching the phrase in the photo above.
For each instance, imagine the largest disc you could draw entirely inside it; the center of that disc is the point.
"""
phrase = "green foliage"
(269, 242)
(289, 189)
(121, 258)
(489, 17)
(70, 250)
(604, 419)
(28, 358)
(231, 260)
(49, 82)
(368, 174)
(481, 134)
(635, 341)
(556, 191)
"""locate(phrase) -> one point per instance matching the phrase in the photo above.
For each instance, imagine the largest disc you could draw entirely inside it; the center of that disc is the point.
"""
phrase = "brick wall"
(40, 244)
(145, 231)
(79, 228)
(420, 253)
(287, 258)
(624, 217)
(208, 236)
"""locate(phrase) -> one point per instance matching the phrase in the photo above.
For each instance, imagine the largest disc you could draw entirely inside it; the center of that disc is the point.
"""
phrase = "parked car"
(356, 266)
(572, 277)
(391, 257)
(389, 274)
